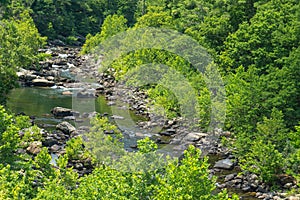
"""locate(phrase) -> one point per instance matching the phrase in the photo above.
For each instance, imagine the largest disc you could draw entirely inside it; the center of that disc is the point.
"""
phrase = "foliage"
(266, 151)
(146, 145)
(269, 36)
(188, 180)
(65, 18)
(112, 25)
(19, 42)
(140, 175)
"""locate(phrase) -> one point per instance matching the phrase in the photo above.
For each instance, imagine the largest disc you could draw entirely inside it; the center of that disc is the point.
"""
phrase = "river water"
(38, 103)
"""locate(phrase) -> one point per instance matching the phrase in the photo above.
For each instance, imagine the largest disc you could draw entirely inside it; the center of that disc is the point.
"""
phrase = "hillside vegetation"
(253, 43)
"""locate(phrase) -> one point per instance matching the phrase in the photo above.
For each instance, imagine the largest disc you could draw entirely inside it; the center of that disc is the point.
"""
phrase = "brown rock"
(34, 147)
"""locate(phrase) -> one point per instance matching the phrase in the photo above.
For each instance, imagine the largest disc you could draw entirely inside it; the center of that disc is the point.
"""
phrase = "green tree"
(269, 36)
(112, 25)
(19, 42)
(188, 180)
(267, 150)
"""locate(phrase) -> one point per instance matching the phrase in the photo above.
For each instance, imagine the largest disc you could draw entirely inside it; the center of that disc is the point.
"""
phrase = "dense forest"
(253, 43)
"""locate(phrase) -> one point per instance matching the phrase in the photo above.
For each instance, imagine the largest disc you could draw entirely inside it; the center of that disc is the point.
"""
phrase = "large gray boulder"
(194, 136)
(66, 128)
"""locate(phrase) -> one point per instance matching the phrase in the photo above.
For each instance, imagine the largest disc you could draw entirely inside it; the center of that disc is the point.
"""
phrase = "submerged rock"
(61, 112)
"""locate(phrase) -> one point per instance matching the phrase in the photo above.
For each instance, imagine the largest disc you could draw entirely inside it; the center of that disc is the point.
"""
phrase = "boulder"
(168, 132)
(100, 89)
(224, 164)
(109, 132)
(61, 112)
(53, 73)
(66, 128)
(49, 141)
(229, 177)
(34, 148)
(171, 131)
(67, 92)
(111, 103)
(194, 137)
(50, 78)
(69, 118)
(42, 82)
(55, 148)
(293, 198)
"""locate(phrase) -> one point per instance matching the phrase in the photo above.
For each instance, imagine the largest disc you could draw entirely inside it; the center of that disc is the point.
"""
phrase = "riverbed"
(38, 102)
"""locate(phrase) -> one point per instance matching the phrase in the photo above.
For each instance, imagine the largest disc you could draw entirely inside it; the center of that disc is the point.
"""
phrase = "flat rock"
(61, 112)
(229, 177)
(55, 148)
(117, 117)
(224, 164)
(42, 82)
(194, 137)
(67, 92)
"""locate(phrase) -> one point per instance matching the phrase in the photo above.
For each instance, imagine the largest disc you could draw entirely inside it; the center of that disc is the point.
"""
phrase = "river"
(38, 103)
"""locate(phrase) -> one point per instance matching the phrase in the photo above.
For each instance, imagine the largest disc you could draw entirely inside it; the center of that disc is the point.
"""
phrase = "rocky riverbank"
(69, 72)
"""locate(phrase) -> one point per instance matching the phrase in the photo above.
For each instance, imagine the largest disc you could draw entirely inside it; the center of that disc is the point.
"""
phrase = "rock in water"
(224, 164)
(61, 112)
(66, 128)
